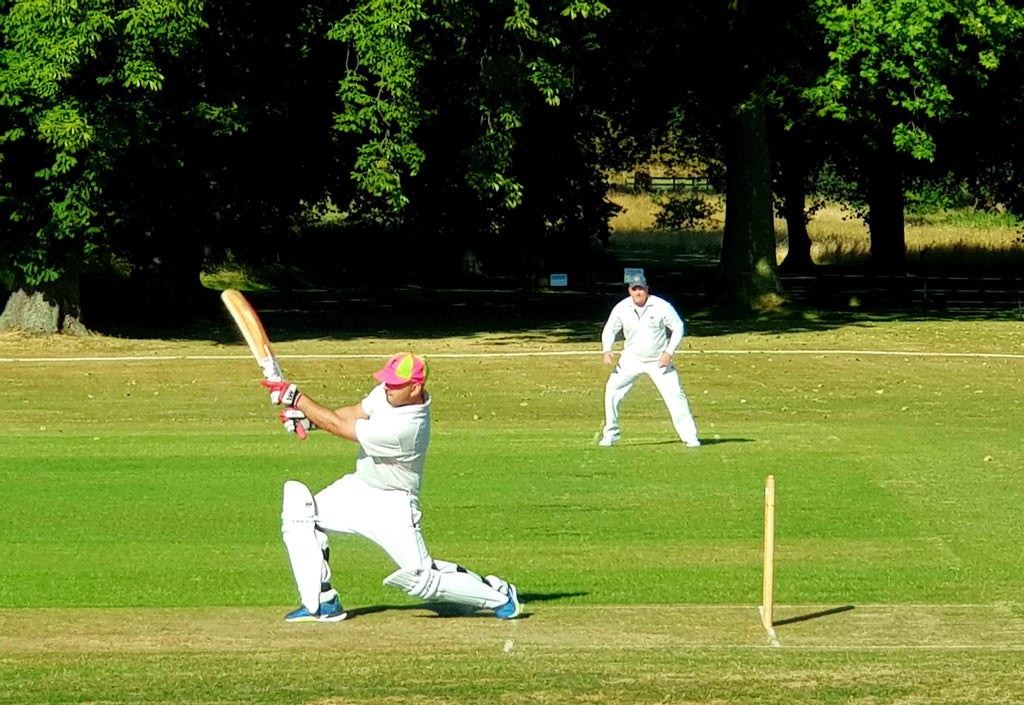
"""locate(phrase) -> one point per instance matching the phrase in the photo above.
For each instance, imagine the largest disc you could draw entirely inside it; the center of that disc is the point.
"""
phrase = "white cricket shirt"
(392, 442)
(648, 330)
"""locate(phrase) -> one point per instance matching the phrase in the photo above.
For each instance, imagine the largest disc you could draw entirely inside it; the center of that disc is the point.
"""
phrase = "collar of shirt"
(641, 310)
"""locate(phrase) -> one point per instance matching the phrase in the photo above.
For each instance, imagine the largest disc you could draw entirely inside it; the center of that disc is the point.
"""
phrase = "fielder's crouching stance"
(380, 500)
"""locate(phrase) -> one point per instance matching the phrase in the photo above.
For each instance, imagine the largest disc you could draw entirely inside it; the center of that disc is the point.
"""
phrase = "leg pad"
(298, 528)
(447, 582)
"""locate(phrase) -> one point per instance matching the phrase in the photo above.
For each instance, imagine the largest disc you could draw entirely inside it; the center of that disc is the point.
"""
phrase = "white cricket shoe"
(607, 441)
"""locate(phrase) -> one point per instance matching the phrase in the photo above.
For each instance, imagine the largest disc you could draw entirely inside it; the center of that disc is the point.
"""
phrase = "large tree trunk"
(885, 212)
(45, 309)
(794, 194)
(749, 274)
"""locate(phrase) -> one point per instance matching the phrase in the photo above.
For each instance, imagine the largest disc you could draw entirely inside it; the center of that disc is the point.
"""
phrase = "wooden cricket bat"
(256, 337)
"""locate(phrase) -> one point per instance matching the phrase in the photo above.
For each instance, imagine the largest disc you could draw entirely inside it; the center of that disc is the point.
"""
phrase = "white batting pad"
(298, 521)
(452, 583)
(418, 582)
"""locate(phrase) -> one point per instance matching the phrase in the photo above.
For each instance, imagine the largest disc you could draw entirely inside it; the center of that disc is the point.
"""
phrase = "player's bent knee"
(298, 508)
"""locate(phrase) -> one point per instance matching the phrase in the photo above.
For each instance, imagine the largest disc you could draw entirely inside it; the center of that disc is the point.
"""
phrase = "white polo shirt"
(392, 442)
(649, 330)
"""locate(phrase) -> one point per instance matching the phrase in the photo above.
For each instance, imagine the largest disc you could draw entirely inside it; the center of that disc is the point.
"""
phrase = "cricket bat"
(251, 328)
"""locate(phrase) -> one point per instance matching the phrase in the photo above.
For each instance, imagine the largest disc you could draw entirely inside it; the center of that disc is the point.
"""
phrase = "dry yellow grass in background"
(637, 214)
(837, 235)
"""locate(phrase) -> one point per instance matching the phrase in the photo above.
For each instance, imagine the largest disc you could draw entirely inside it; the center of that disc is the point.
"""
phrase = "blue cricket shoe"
(328, 612)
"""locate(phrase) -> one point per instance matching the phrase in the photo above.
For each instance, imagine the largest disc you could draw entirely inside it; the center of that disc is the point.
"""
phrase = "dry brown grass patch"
(837, 235)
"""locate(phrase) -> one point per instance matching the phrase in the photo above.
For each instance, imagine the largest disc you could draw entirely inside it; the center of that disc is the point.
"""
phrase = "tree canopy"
(152, 137)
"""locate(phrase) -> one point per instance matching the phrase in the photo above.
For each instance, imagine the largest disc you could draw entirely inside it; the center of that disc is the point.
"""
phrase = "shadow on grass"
(719, 441)
(676, 441)
(524, 316)
(813, 615)
(447, 610)
(443, 610)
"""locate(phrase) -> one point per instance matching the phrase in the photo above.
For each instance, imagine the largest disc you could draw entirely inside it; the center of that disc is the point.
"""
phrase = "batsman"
(379, 501)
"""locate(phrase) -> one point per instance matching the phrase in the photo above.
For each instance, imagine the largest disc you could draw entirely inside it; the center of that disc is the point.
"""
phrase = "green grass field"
(141, 560)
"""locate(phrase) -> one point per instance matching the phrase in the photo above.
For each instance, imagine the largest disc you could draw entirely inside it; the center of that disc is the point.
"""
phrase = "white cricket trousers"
(666, 379)
(389, 518)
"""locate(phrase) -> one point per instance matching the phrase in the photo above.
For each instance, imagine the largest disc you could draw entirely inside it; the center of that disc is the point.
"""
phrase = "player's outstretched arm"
(340, 422)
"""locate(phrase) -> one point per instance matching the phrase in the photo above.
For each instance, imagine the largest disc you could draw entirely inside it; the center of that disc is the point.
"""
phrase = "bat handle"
(301, 432)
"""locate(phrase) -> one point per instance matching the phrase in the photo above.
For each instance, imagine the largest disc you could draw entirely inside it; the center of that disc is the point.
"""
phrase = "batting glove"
(296, 422)
(282, 392)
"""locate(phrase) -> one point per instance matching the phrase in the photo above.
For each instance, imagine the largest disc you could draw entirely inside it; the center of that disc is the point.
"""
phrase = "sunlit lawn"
(142, 562)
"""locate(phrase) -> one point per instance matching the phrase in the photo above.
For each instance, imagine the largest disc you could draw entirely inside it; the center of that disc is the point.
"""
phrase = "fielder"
(645, 322)
(380, 500)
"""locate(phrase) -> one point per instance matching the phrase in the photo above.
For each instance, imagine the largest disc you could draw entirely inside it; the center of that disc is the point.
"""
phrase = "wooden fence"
(643, 183)
(911, 291)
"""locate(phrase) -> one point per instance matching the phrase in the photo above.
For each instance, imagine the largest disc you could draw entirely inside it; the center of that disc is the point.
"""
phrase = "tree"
(208, 130)
(793, 159)
(894, 72)
(717, 113)
(749, 276)
(233, 151)
(67, 71)
(982, 150)
(800, 142)
(168, 133)
(469, 126)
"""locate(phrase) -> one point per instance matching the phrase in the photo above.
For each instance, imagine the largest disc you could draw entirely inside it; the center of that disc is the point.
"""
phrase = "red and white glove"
(296, 422)
(282, 392)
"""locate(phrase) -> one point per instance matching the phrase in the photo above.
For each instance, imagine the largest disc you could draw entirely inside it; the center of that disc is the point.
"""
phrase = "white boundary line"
(996, 648)
(132, 358)
(355, 356)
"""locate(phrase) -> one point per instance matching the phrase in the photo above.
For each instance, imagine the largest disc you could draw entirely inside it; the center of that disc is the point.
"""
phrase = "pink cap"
(402, 369)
